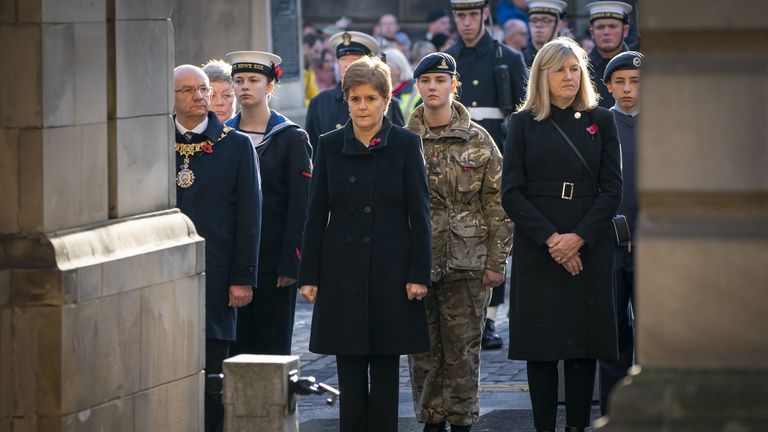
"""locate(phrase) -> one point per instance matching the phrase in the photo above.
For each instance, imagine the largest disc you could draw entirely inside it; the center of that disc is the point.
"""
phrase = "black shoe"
(573, 429)
(491, 339)
(457, 428)
(436, 427)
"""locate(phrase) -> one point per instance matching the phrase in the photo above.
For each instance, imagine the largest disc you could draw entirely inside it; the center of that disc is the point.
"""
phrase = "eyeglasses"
(189, 91)
(541, 21)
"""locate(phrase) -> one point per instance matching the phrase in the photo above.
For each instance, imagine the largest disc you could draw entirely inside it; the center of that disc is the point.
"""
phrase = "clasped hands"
(564, 249)
(414, 291)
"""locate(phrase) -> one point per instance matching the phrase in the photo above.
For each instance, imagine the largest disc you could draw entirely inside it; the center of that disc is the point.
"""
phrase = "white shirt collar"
(630, 114)
(199, 129)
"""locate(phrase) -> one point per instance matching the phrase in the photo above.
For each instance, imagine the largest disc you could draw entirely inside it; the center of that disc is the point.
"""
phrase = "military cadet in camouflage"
(471, 237)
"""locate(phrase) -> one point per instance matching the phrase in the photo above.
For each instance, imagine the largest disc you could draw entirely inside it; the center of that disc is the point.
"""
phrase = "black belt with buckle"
(562, 190)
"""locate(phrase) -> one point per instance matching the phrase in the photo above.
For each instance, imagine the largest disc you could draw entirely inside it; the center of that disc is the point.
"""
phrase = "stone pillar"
(101, 286)
(207, 30)
(702, 249)
(256, 393)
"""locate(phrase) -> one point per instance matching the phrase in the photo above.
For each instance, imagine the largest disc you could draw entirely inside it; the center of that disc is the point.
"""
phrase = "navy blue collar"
(483, 46)
(353, 147)
(276, 123)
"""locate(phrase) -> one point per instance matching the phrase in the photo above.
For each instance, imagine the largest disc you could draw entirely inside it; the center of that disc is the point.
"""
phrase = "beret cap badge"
(443, 65)
(636, 61)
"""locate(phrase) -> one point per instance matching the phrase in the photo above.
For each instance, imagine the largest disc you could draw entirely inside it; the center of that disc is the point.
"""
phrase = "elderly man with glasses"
(219, 189)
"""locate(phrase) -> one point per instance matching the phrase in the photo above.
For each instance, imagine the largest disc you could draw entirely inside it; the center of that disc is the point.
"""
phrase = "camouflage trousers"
(445, 380)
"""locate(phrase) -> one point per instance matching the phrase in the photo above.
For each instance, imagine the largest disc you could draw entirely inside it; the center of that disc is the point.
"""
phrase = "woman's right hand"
(309, 292)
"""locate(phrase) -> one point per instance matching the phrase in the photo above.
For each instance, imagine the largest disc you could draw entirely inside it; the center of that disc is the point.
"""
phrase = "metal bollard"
(260, 393)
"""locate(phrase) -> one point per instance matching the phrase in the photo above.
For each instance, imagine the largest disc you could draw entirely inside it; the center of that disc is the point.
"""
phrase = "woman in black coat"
(367, 250)
(562, 301)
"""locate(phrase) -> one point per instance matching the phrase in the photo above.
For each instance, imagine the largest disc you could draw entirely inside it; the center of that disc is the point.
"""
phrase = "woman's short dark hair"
(368, 70)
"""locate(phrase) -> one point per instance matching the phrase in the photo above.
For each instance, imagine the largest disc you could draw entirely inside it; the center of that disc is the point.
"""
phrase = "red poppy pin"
(592, 129)
(374, 142)
(207, 148)
(278, 71)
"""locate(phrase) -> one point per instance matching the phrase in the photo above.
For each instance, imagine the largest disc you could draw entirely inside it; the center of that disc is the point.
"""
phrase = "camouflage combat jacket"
(470, 230)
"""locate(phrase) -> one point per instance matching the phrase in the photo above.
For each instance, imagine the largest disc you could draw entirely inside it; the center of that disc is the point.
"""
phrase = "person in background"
(477, 57)
(509, 9)
(391, 34)
(622, 77)
(609, 25)
(367, 250)
(437, 22)
(402, 81)
(218, 188)
(471, 238)
(543, 20)
(329, 110)
(442, 41)
(516, 34)
(562, 296)
(586, 43)
(222, 92)
(313, 48)
(265, 326)
(325, 71)
(419, 50)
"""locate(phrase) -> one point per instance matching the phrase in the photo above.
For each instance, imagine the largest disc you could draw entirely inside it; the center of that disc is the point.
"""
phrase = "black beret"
(435, 15)
(622, 61)
(436, 62)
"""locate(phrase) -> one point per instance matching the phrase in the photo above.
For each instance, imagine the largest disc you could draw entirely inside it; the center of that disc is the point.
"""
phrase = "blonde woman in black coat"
(562, 301)
(367, 250)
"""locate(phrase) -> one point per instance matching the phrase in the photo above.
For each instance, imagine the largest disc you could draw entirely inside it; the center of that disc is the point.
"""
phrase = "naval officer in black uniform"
(477, 57)
(328, 110)
(543, 19)
(609, 26)
(265, 326)
(218, 188)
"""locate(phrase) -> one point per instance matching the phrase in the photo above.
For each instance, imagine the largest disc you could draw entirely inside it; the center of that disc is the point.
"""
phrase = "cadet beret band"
(609, 9)
(437, 62)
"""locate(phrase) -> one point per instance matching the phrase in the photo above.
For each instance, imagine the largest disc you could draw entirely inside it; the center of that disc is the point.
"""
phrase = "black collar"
(353, 147)
(483, 46)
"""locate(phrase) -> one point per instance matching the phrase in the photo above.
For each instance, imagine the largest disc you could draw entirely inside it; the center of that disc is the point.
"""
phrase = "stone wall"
(101, 287)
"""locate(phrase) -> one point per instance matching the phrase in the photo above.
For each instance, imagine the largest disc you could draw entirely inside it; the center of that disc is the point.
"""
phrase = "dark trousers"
(579, 384)
(612, 371)
(265, 325)
(216, 351)
(362, 410)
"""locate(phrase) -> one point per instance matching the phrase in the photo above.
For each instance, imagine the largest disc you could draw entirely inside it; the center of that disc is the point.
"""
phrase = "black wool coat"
(367, 234)
(224, 203)
(554, 315)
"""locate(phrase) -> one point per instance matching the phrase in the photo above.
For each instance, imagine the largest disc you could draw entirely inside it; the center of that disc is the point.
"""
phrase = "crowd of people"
(395, 208)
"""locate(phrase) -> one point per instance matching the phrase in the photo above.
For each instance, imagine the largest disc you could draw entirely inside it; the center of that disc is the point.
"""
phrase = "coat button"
(367, 209)
(350, 209)
(475, 82)
(348, 239)
(338, 125)
(352, 179)
(474, 103)
(366, 239)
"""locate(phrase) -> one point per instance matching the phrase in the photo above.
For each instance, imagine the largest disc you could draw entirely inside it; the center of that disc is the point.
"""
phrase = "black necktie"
(188, 136)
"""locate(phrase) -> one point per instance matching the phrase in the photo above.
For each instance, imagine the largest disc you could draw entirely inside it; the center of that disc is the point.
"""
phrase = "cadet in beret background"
(543, 18)
(471, 238)
(218, 188)
(562, 297)
(328, 110)
(609, 26)
(622, 77)
(367, 250)
(477, 54)
(265, 326)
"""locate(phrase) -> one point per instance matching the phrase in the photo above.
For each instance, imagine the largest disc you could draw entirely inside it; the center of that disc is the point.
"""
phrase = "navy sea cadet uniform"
(328, 110)
(601, 10)
(265, 326)
(476, 73)
(218, 188)
(611, 371)
(545, 7)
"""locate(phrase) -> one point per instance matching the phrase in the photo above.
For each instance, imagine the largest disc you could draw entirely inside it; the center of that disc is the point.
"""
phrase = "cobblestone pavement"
(504, 401)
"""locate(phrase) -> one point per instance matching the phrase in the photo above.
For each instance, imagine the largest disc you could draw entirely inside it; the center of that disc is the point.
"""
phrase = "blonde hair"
(551, 56)
(368, 70)
(397, 58)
